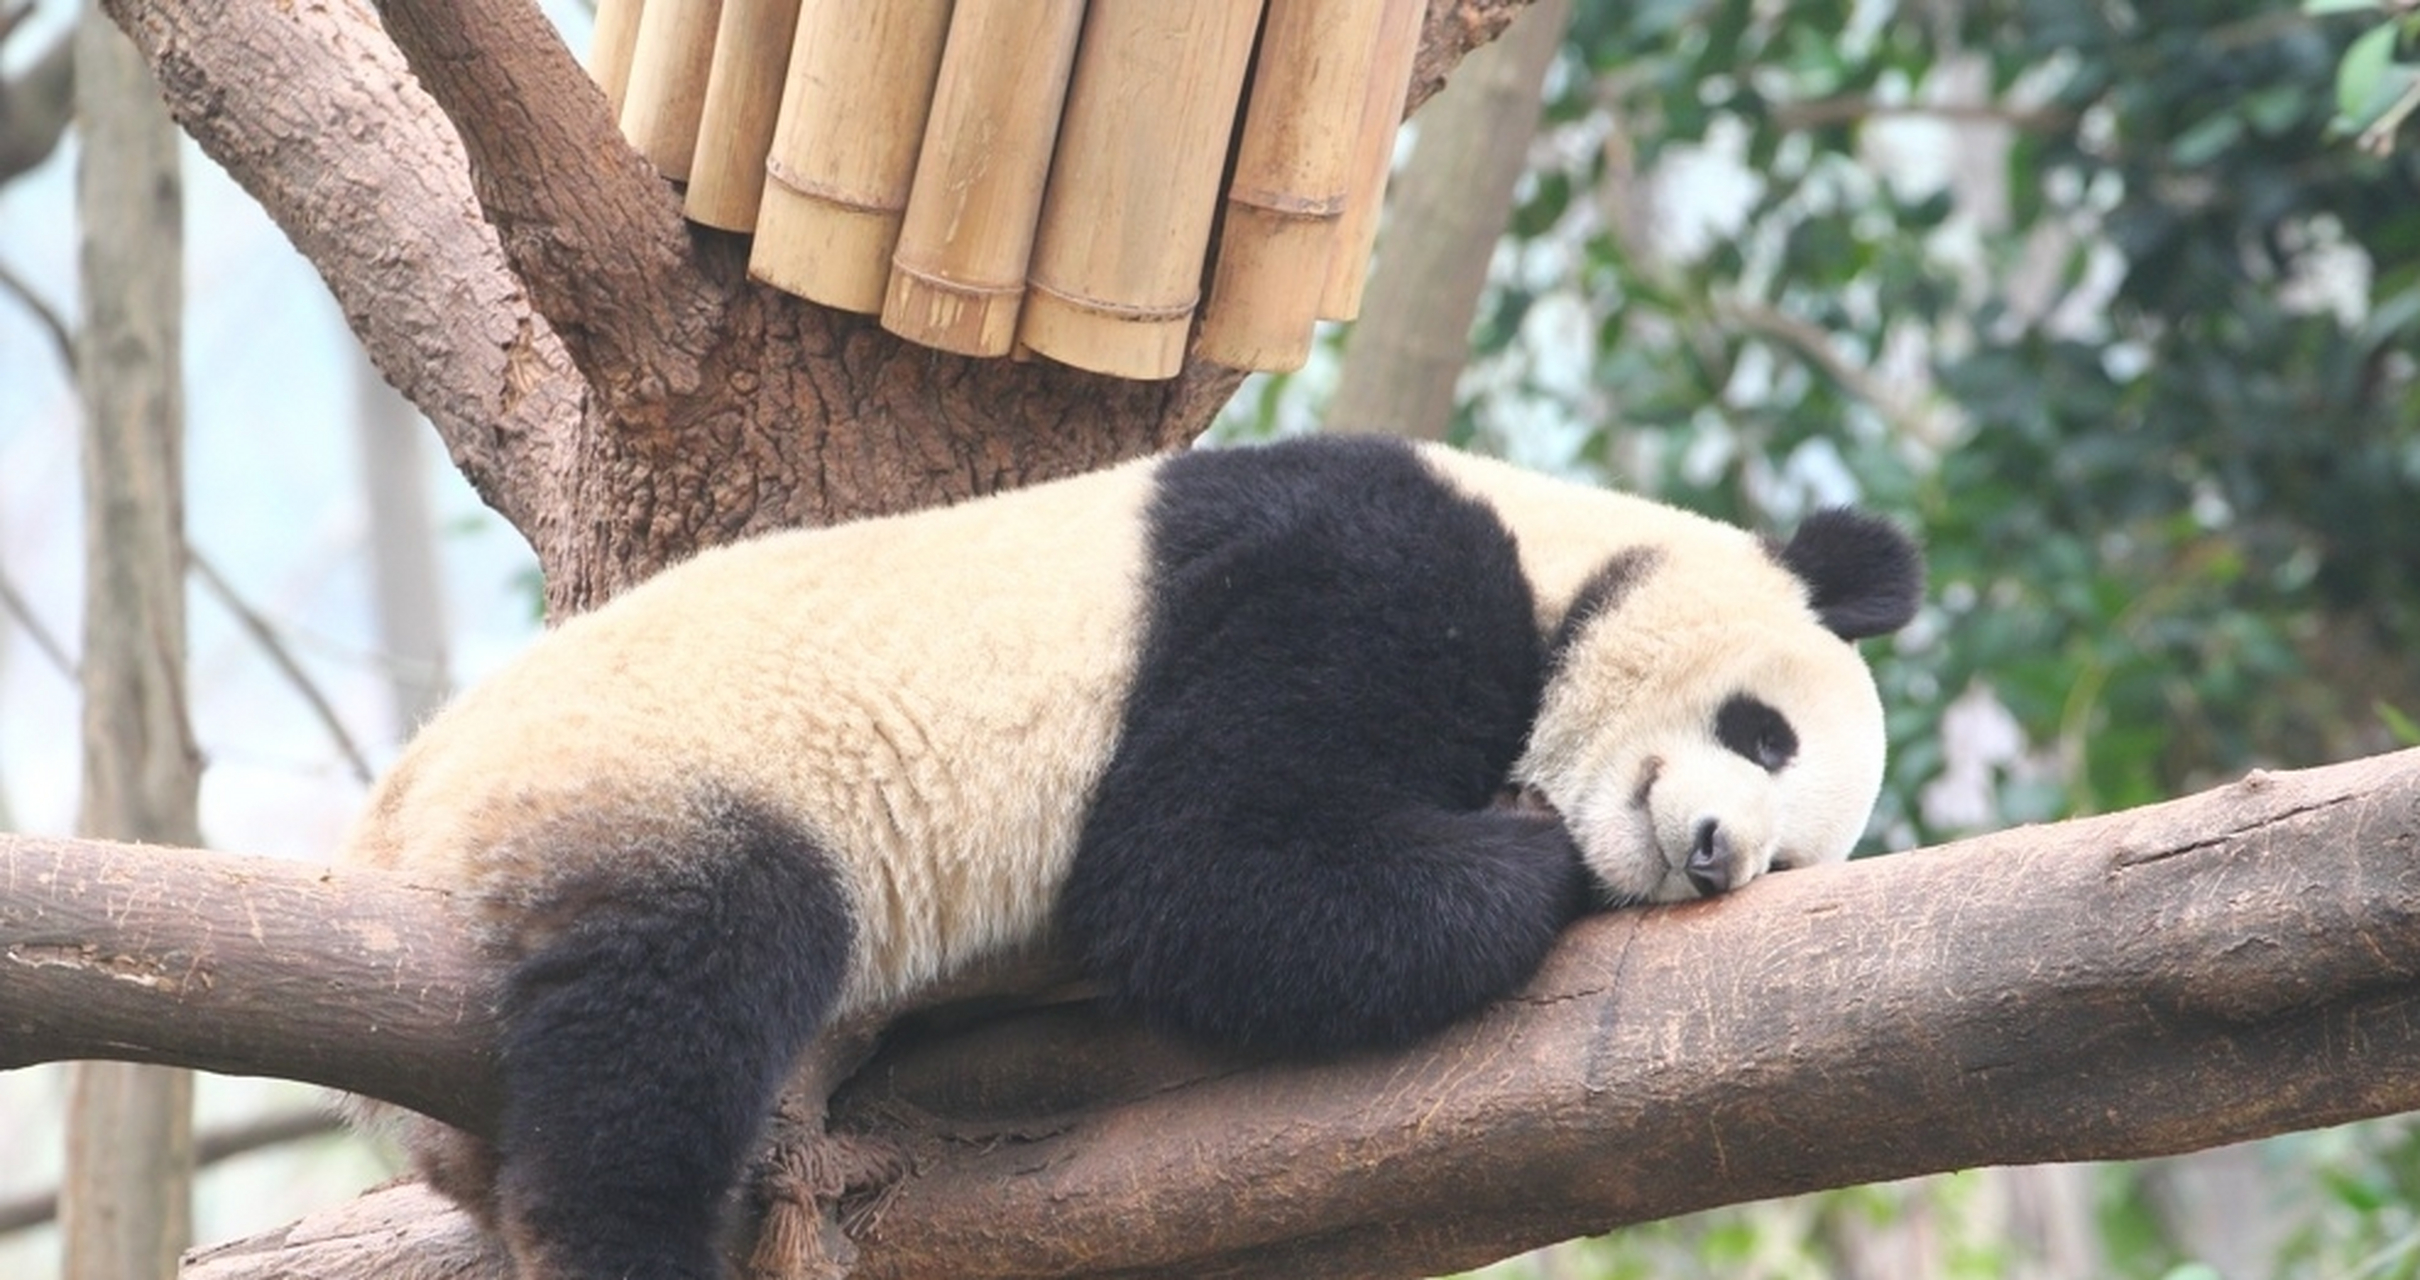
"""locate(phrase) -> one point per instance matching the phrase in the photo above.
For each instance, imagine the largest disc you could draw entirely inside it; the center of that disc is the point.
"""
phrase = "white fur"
(876, 683)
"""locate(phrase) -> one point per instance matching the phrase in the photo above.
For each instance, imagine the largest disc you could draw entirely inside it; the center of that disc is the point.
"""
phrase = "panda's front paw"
(1523, 801)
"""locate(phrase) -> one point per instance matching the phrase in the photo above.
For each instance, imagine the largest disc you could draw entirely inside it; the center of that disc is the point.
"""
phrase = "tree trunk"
(403, 550)
(126, 1199)
(2239, 963)
(1445, 213)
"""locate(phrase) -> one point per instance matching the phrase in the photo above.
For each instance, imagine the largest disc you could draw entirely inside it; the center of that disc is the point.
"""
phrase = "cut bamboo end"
(611, 47)
(668, 73)
(743, 102)
(853, 106)
(1272, 267)
(959, 271)
(970, 319)
(1105, 337)
(1373, 157)
(825, 251)
(1117, 255)
(1293, 169)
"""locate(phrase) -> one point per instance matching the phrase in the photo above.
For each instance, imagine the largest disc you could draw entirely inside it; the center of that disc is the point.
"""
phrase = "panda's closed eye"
(1754, 730)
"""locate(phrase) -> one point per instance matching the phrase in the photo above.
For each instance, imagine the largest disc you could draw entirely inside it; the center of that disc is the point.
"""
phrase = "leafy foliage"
(2116, 305)
(2097, 297)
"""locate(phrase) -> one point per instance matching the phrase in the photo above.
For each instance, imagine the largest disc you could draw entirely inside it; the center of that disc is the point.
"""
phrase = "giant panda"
(1235, 729)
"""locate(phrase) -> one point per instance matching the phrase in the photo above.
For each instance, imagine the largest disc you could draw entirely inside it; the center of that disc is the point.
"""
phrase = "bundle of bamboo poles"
(1034, 177)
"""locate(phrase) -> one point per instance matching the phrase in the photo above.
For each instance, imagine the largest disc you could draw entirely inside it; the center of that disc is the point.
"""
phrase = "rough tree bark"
(2234, 964)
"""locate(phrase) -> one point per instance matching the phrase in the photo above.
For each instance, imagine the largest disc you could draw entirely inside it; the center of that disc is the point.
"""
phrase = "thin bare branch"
(1821, 113)
(23, 611)
(265, 635)
(62, 339)
(277, 1128)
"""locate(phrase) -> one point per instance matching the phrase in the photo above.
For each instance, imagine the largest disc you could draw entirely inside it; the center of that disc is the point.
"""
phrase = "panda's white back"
(931, 696)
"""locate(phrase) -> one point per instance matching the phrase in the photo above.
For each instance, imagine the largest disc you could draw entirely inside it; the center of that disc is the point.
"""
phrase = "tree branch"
(24, 1212)
(243, 966)
(312, 109)
(264, 634)
(2239, 963)
(600, 244)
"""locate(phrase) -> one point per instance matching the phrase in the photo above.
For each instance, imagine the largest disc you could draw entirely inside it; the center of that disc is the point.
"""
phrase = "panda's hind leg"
(664, 981)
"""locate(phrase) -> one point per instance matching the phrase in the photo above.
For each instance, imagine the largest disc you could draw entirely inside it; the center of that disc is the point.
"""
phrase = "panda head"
(1707, 717)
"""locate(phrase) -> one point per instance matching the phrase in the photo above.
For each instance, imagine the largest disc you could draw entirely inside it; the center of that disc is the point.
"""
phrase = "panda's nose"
(1710, 859)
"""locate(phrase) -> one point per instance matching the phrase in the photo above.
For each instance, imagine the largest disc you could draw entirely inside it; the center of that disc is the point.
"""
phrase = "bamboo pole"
(844, 149)
(1293, 167)
(660, 109)
(743, 99)
(611, 47)
(1373, 157)
(1118, 254)
(958, 274)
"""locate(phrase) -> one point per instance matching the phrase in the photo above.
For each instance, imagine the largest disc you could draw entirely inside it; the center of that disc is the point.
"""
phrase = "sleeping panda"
(1237, 728)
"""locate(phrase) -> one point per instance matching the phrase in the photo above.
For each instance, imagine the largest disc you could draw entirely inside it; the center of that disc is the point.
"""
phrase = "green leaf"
(2319, 7)
(2203, 143)
(2361, 79)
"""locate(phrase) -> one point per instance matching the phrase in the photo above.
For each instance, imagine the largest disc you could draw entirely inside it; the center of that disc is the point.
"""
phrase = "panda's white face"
(1689, 756)
(1765, 761)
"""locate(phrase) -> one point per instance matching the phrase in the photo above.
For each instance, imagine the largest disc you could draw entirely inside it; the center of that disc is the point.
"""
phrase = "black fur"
(1294, 845)
(1750, 727)
(1601, 594)
(1864, 577)
(646, 1035)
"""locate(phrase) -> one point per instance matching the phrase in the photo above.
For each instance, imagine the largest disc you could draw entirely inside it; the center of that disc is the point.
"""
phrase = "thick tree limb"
(243, 966)
(2239, 963)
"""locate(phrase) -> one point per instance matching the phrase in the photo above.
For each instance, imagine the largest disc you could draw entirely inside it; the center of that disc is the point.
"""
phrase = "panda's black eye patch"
(1754, 730)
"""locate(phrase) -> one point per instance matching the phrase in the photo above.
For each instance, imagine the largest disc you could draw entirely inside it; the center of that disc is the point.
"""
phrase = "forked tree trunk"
(603, 372)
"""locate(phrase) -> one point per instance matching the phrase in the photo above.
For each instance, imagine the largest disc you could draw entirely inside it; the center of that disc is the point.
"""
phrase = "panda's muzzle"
(1713, 862)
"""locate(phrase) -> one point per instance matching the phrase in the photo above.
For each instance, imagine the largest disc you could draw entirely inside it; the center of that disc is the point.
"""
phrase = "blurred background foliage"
(2115, 304)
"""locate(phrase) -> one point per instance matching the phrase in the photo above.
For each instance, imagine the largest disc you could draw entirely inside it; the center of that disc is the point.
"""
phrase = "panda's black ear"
(1864, 577)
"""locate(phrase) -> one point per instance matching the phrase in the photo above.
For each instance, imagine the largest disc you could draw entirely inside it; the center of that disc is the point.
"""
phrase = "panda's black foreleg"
(1367, 932)
(646, 1034)
(1296, 842)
